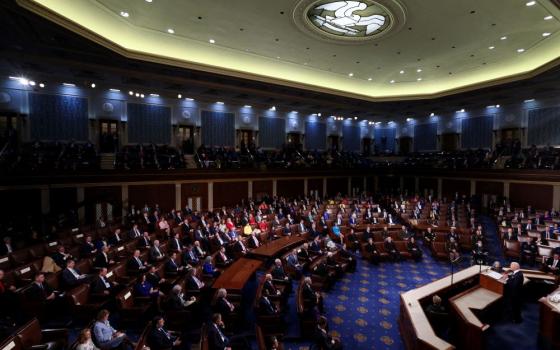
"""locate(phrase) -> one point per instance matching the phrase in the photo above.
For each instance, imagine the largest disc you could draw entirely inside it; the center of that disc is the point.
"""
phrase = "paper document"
(495, 275)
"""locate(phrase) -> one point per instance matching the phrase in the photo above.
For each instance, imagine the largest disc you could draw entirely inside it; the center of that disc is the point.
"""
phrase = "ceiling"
(441, 47)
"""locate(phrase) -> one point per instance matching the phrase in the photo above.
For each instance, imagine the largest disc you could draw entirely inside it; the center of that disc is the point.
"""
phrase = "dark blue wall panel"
(58, 117)
(477, 132)
(352, 138)
(425, 137)
(148, 123)
(218, 128)
(272, 132)
(315, 135)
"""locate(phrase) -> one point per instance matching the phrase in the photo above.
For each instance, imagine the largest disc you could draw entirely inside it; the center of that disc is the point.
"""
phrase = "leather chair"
(512, 249)
(31, 337)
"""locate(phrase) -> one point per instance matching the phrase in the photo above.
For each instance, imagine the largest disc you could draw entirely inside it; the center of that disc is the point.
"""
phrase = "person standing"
(513, 291)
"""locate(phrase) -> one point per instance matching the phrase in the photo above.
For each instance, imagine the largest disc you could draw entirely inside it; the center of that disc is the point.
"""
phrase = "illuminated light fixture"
(14, 78)
(131, 93)
(350, 74)
(273, 108)
(462, 110)
(546, 34)
(170, 30)
(247, 106)
(319, 114)
(548, 18)
(531, 3)
(189, 99)
(369, 79)
(137, 94)
(294, 112)
(220, 102)
(154, 95)
(503, 38)
(32, 83)
(520, 50)
(212, 41)
(419, 79)
(491, 47)
(142, 95)
(432, 114)
(498, 106)
(114, 90)
(179, 96)
(419, 70)
(92, 85)
(125, 14)
(355, 118)
(73, 85)
(392, 81)
(529, 100)
(409, 119)
(401, 72)
(41, 85)
(149, 1)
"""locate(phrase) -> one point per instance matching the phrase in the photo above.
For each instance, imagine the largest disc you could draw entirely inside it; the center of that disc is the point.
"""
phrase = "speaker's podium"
(468, 305)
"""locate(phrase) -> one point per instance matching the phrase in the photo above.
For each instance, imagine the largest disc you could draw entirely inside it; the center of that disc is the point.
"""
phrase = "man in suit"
(322, 338)
(513, 291)
(134, 232)
(71, 277)
(311, 298)
(552, 264)
(102, 259)
(87, 247)
(293, 262)
(172, 267)
(6, 246)
(153, 277)
(391, 249)
(253, 241)
(115, 238)
(39, 291)
(175, 243)
(371, 249)
(101, 284)
(176, 301)
(222, 305)
(222, 259)
(161, 339)
(192, 282)
(144, 242)
(156, 255)
(135, 265)
(60, 256)
(266, 307)
(239, 247)
(217, 340)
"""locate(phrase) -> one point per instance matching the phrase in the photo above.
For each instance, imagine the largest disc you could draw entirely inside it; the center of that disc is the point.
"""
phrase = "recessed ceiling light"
(503, 38)
(419, 70)
(319, 114)
(154, 95)
(273, 108)
(32, 83)
(355, 118)
(125, 14)
(530, 3)
(392, 81)
(179, 96)
(247, 106)
(92, 85)
(41, 85)
(520, 50)
(189, 99)
(171, 31)
(72, 84)
(220, 102)
(137, 94)
(212, 41)
(401, 72)
(529, 100)
(548, 18)
(369, 79)
(419, 79)
(409, 119)
(462, 110)
(131, 93)
(498, 106)
(432, 114)
(148, 0)
(142, 95)
(114, 90)
(546, 34)
(491, 47)
(350, 74)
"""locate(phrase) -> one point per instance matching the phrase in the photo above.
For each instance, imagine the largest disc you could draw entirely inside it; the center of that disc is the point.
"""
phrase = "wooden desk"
(549, 323)
(278, 246)
(237, 274)
(470, 328)
(414, 325)
(490, 283)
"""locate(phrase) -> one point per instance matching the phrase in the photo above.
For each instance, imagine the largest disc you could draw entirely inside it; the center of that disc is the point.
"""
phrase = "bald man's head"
(514, 266)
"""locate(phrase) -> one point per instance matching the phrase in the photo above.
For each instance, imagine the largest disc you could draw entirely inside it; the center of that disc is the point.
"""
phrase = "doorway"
(108, 136)
(245, 139)
(449, 142)
(185, 138)
(405, 145)
(334, 142)
(366, 146)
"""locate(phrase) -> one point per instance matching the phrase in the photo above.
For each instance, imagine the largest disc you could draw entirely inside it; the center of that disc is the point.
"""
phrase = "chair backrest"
(204, 337)
(5, 263)
(12, 343)
(513, 246)
(143, 337)
(30, 334)
(125, 298)
(80, 295)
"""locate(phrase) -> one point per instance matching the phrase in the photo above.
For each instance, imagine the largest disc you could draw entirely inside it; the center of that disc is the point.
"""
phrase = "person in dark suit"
(134, 232)
(172, 267)
(322, 338)
(176, 300)
(370, 247)
(6, 246)
(102, 259)
(60, 256)
(153, 277)
(116, 238)
(266, 307)
(311, 298)
(156, 254)
(221, 258)
(552, 264)
(529, 251)
(175, 243)
(513, 291)
(87, 247)
(71, 277)
(189, 257)
(161, 339)
(144, 241)
(217, 340)
(192, 282)
(135, 264)
(101, 284)
(39, 290)
(391, 249)
(222, 305)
